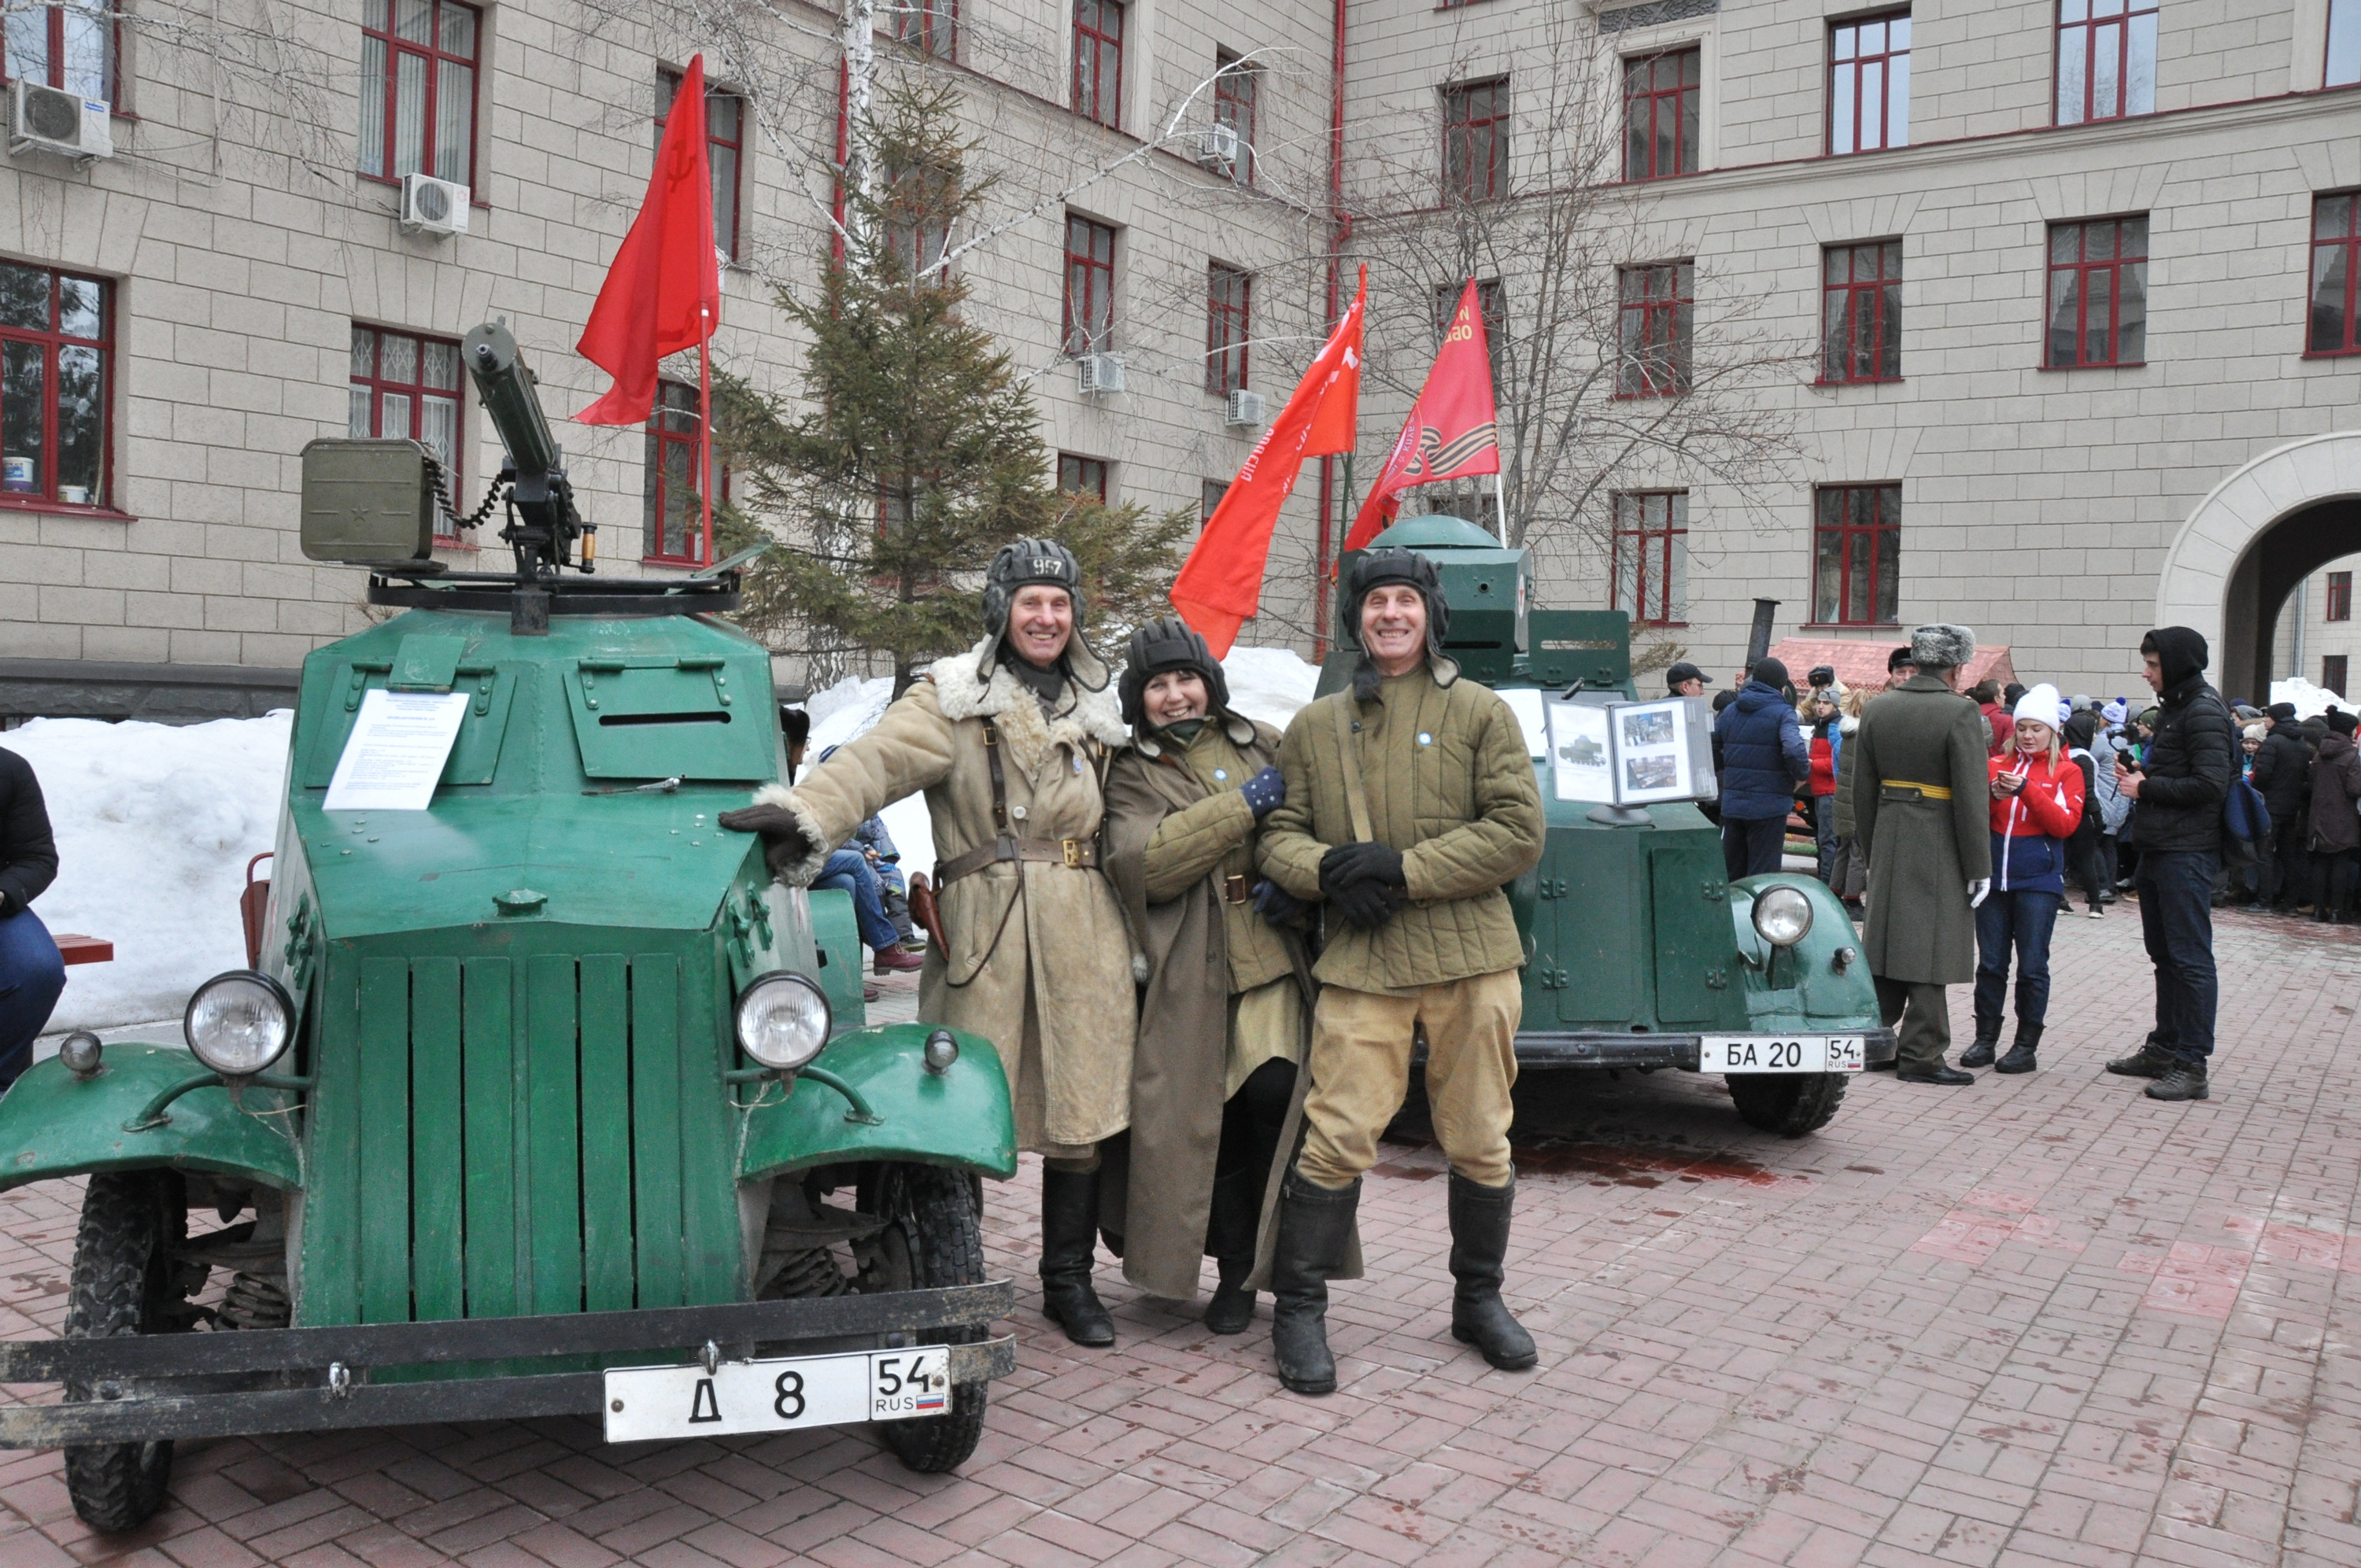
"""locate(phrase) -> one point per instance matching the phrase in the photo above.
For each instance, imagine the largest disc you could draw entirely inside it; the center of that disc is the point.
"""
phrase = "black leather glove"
(1275, 903)
(1368, 903)
(1265, 790)
(1365, 862)
(784, 844)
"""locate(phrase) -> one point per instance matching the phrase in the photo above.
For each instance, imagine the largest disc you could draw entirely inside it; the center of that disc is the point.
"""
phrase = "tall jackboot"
(1230, 1230)
(1070, 1228)
(1479, 1240)
(1314, 1225)
(2021, 1049)
(1987, 1041)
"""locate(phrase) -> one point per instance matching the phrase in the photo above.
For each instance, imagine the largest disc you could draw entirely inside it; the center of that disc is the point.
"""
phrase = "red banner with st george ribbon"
(1452, 431)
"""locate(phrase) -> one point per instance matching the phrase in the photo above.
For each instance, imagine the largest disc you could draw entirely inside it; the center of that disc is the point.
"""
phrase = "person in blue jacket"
(1759, 753)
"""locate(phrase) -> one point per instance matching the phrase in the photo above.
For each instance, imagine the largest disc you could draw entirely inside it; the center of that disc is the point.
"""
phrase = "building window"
(68, 44)
(2332, 672)
(1228, 293)
(2343, 43)
(418, 89)
(1236, 85)
(1476, 140)
(1869, 83)
(2335, 267)
(1856, 555)
(1090, 286)
(55, 360)
(1660, 114)
(1860, 312)
(2098, 292)
(405, 386)
(1658, 324)
(1208, 495)
(919, 204)
(725, 144)
(2106, 59)
(1651, 557)
(1098, 60)
(1082, 475)
(930, 26)
(673, 514)
(2339, 596)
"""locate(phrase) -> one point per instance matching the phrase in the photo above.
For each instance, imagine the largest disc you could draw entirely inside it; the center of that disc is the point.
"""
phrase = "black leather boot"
(1986, 1044)
(2021, 1049)
(2149, 1061)
(1315, 1223)
(2186, 1080)
(1230, 1229)
(1070, 1228)
(1479, 1241)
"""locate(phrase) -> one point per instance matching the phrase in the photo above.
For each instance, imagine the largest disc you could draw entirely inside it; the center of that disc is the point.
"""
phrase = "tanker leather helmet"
(1167, 645)
(1023, 564)
(1394, 565)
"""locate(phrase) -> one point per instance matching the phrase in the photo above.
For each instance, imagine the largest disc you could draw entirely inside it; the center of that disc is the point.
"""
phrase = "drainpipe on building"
(1340, 229)
(2302, 603)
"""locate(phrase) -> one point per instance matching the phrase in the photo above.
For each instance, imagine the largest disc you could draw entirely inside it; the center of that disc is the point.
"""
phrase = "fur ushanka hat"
(1941, 646)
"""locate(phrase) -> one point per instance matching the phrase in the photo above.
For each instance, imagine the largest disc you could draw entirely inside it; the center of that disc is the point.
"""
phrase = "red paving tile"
(2042, 1320)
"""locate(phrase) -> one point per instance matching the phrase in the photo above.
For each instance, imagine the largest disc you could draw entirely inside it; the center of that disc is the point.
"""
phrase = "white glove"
(1979, 889)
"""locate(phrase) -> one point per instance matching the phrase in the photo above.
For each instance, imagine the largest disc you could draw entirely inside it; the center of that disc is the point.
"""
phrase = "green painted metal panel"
(836, 934)
(655, 1126)
(1595, 969)
(53, 1124)
(695, 715)
(710, 1240)
(960, 1117)
(606, 1102)
(489, 1090)
(385, 1140)
(1692, 946)
(438, 1162)
(329, 1291)
(553, 1169)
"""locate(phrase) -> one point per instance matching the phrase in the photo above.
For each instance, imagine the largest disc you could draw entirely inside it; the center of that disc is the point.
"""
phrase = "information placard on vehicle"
(1780, 1053)
(647, 1402)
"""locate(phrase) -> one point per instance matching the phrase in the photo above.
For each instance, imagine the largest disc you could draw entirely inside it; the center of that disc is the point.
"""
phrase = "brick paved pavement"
(2040, 1321)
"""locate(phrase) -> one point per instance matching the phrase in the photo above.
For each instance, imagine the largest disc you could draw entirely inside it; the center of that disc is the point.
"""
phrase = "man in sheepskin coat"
(1009, 741)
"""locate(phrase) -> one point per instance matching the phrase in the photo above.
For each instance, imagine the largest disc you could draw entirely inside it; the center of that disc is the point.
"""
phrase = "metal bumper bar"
(1598, 1047)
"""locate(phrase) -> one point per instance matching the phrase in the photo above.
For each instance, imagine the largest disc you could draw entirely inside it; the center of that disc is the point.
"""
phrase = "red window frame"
(2093, 258)
(930, 26)
(1082, 475)
(1860, 312)
(2339, 596)
(1236, 88)
(2342, 56)
(1651, 556)
(382, 22)
(49, 343)
(673, 433)
(53, 45)
(1090, 285)
(1662, 109)
(2101, 45)
(1229, 299)
(2331, 329)
(374, 381)
(725, 152)
(1856, 555)
(1869, 82)
(1476, 140)
(1658, 328)
(1098, 60)
(2335, 672)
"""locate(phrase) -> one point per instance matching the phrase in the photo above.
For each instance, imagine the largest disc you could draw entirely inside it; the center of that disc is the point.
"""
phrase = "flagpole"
(1500, 502)
(705, 423)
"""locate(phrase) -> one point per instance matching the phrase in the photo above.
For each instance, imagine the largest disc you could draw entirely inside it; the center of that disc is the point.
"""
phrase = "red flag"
(662, 292)
(1221, 583)
(1452, 430)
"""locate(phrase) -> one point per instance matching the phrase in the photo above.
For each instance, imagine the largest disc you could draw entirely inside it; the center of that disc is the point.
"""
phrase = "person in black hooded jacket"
(31, 973)
(2283, 774)
(2178, 788)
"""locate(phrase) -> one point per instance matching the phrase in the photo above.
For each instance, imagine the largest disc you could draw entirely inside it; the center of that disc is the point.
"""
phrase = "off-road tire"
(1788, 1104)
(121, 1285)
(932, 1211)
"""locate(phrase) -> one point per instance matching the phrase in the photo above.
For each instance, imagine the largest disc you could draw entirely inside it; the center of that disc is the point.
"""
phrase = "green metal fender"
(1802, 988)
(53, 1124)
(956, 1117)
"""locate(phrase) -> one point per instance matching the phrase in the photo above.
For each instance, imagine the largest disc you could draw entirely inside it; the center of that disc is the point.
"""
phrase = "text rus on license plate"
(644, 1402)
(1780, 1053)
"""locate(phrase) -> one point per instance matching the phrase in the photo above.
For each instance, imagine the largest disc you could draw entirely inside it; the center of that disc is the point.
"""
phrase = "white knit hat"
(2039, 705)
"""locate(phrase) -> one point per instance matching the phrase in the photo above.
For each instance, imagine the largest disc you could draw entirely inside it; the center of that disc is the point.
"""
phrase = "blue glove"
(1265, 790)
(1275, 903)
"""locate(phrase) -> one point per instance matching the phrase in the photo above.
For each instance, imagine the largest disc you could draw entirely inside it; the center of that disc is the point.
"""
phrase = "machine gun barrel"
(543, 523)
(505, 387)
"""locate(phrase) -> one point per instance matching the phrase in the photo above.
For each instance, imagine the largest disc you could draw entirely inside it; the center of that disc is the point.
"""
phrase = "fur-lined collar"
(1086, 715)
(1241, 732)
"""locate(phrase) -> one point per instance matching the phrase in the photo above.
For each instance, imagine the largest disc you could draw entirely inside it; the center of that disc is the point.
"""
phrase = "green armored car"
(538, 1096)
(1640, 951)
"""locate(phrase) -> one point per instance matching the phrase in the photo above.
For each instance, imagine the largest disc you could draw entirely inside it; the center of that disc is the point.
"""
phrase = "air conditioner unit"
(1217, 148)
(1100, 373)
(43, 119)
(434, 206)
(1243, 410)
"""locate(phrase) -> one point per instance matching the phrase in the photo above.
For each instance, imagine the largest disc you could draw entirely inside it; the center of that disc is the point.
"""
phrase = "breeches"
(1361, 1044)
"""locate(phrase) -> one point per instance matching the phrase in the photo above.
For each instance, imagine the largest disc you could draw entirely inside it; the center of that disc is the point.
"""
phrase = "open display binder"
(1631, 753)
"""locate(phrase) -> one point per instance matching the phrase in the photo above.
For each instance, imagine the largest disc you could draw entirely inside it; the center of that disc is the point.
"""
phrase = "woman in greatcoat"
(1216, 1094)
(1009, 741)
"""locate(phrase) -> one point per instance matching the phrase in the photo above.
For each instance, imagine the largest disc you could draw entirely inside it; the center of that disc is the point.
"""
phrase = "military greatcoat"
(1921, 813)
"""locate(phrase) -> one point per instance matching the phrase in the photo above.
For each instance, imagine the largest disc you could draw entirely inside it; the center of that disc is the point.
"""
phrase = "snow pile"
(154, 824)
(2311, 701)
(1269, 683)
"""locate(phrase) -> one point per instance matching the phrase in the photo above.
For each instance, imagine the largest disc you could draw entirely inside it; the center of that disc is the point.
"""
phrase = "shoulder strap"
(1349, 758)
(999, 780)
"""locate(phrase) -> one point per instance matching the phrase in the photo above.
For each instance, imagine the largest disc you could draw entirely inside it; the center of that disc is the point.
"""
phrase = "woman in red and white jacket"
(2036, 804)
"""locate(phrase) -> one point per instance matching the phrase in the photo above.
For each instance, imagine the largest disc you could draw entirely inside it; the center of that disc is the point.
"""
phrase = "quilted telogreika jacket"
(1450, 784)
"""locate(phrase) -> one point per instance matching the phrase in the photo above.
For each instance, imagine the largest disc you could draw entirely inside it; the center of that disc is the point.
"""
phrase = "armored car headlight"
(1783, 916)
(783, 1020)
(239, 1022)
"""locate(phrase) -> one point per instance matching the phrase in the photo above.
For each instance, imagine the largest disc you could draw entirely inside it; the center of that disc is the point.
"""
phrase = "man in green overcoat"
(1921, 813)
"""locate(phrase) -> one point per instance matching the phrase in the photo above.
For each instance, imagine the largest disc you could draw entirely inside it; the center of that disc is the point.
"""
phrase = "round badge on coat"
(1220, 774)
(1078, 764)
(1425, 738)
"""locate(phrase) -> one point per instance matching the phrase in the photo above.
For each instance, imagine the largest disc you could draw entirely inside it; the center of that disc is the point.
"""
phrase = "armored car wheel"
(123, 1283)
(933, 1238)
(1787, 1103)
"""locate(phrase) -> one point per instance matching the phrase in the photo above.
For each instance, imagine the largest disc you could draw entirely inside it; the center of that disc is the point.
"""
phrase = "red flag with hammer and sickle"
(1453, 431)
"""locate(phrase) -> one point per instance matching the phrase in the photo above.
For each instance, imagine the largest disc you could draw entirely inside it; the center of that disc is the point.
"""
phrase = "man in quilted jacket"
(1411, 804)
